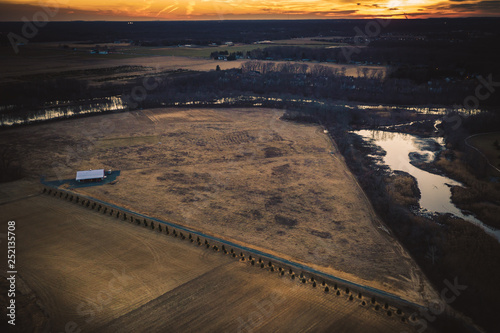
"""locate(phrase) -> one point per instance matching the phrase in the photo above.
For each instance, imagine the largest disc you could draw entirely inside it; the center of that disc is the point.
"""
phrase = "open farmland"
(204, 51)
(74, 273)
(41, 60)
(36, 61)
(234, 195)
(241, 174)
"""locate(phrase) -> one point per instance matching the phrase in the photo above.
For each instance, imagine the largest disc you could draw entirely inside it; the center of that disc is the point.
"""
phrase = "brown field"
(48, 59)
(82, 271)
(240, 174)
(38, 59)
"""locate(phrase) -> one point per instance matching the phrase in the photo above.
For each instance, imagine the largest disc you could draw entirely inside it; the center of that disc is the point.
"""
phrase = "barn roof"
(90, 174)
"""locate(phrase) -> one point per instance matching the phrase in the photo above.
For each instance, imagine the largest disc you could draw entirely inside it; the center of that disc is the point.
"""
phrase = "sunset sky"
(15, 10)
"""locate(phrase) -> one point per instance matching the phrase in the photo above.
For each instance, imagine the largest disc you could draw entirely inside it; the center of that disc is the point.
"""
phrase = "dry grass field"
(241, 174)
(40, 59)
(82, 271)
(47, 59)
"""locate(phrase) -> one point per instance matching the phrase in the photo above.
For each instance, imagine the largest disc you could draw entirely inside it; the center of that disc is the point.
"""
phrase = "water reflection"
(435, 190)
(67, 109)
(61, 109)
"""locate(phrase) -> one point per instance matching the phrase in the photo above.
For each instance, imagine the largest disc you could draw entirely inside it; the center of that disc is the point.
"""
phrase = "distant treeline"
(246, 31)
(420, 62)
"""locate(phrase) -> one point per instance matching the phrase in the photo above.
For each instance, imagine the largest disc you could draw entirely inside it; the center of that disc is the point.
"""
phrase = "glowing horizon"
(121, 10)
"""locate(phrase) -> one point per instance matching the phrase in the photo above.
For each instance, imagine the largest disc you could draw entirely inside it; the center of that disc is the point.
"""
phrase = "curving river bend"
(435, 189)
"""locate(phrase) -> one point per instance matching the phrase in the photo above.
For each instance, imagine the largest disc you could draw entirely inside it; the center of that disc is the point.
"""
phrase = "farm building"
(90, 176)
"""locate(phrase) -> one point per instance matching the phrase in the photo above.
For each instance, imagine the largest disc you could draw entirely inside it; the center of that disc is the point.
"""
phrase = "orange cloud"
(247, 9)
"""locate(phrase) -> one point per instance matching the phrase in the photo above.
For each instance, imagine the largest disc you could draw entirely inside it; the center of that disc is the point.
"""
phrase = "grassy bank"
(480, 196)
(403, 189)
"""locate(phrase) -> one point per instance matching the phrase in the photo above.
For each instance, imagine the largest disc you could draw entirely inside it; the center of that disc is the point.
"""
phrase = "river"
(60, 109)
(435, 189)
(68, 109)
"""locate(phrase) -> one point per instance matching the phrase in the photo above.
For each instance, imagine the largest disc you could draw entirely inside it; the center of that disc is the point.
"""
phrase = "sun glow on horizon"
(248, 9)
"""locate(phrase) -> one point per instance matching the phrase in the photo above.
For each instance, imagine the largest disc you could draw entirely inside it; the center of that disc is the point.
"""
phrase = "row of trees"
(317, 82)
(435, 61)
(217, 55)
(253, 261)
(283, 81)
(315, 70)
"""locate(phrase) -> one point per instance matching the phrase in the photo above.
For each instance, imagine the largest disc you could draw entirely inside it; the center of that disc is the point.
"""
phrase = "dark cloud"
(15, 12)
(336, 12)
(485, 6)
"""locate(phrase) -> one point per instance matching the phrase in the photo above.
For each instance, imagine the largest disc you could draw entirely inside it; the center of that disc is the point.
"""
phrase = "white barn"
(90, 175)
